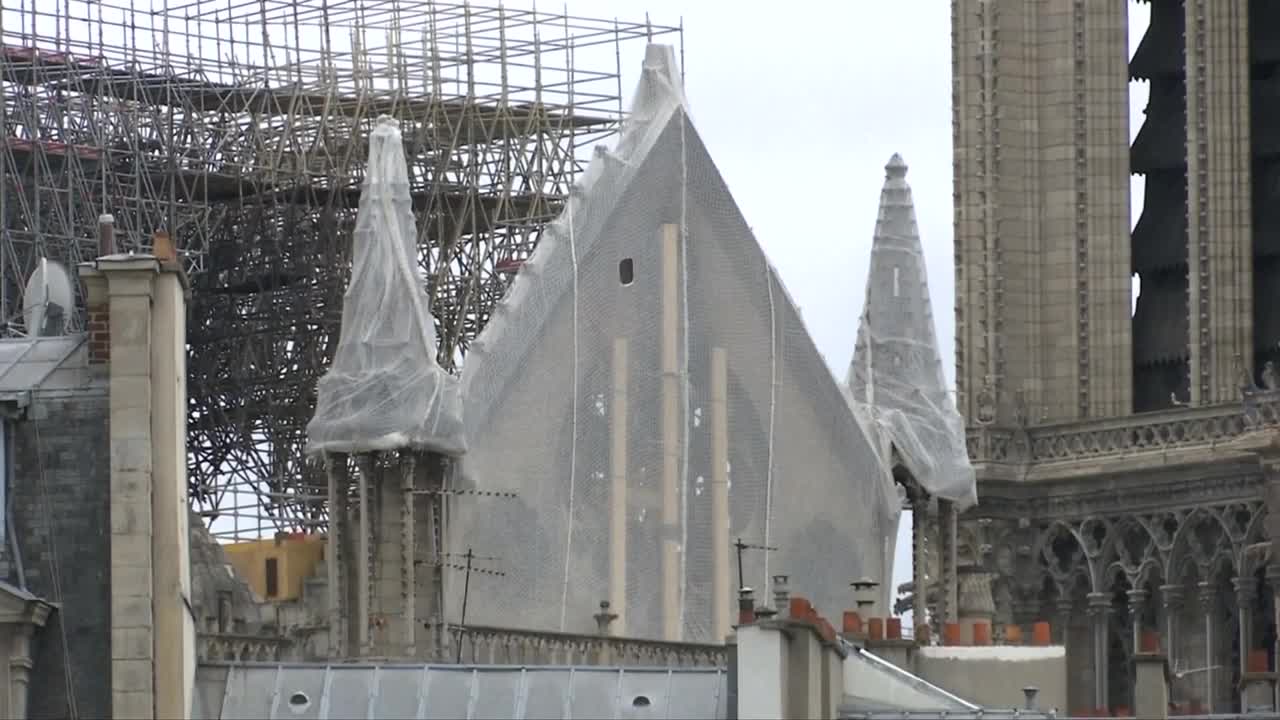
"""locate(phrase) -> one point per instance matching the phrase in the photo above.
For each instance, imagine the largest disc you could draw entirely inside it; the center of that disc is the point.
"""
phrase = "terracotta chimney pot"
(1150, 640)
(1041, 635)
(1257, 662)
(982, 634)
(852, 622)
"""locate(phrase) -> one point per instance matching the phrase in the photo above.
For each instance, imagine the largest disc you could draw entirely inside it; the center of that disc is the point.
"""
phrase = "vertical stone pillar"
(1172, 599)
(919, 581)
(1137, 602)
(1219, 232)
(335, 551)
(358, 562)
(175, 625)
(1244, 588)
(393, 601)
(1208, 601)
(408, 626)
(430, 518)
(1065, 610)
(20, 634)
(1099, 615)
(1273, 579)
(140, 301)
(949, 527)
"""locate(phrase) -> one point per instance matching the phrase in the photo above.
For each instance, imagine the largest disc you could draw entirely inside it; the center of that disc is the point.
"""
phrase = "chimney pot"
(780, 592)
(1013, 634)
(1030, 693)
(893, 628)
(951, 634)
(799, 608)
(875, 629)
(981, 634)
(1040, 634)
(162, 246)
(106, 235)
(746, 607)
(1150, 642)
(852, 622)
(1257, 661)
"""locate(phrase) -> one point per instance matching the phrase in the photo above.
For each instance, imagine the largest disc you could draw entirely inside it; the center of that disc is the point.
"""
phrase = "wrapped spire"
(384, 389)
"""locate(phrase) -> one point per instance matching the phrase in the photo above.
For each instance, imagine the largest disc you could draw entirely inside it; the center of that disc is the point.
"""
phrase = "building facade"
(1114, 493)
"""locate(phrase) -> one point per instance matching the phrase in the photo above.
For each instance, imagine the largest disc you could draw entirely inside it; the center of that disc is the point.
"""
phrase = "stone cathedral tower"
(1116, 495)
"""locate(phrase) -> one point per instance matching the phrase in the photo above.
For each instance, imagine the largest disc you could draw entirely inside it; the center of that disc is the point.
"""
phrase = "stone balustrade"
(504, 646)
(480, 646)
(237, 647)
(1176, 429)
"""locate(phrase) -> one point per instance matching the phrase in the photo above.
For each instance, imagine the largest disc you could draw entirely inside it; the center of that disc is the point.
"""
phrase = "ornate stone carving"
(1131, 435)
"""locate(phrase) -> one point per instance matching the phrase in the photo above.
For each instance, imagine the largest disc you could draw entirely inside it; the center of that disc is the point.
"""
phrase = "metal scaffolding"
(240, 127)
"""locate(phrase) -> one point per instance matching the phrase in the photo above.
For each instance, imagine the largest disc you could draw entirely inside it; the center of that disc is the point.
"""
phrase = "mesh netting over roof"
(898, 390)
(650, 392)
(384, 389)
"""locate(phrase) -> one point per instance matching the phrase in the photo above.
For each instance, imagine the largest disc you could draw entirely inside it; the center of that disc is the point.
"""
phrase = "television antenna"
(1179, 674)
(740, 546)
(467, 566)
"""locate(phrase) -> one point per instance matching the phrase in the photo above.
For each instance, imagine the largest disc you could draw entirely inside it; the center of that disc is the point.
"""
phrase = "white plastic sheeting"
(385, 389)
(648, 373)
(898, 390)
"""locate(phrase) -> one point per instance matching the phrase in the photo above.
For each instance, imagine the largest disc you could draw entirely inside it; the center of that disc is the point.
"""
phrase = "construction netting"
(648, 391)
(897, 387)
(384, 389)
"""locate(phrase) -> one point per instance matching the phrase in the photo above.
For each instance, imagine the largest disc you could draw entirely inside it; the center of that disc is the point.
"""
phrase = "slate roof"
(453, 692)
(58, 362)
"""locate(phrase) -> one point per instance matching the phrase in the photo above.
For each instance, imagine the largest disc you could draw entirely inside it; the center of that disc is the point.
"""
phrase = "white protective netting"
(384, 389)
(652, 260)
(898, 390)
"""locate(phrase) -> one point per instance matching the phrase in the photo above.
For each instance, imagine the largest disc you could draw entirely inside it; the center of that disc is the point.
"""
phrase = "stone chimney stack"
(1151, 682)
(137, 318)
(1259, 685)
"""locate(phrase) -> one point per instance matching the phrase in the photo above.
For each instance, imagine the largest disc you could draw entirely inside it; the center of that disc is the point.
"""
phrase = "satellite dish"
(48, 300)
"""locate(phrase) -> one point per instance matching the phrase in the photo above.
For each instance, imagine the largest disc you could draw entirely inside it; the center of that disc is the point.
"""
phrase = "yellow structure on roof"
(277, 568)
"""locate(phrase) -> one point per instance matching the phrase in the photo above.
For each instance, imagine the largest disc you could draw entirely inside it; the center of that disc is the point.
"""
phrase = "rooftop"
(257, 691)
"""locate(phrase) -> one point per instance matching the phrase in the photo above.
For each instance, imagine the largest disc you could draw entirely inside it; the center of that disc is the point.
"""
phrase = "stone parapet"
(503, 646)
(1184, 428)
